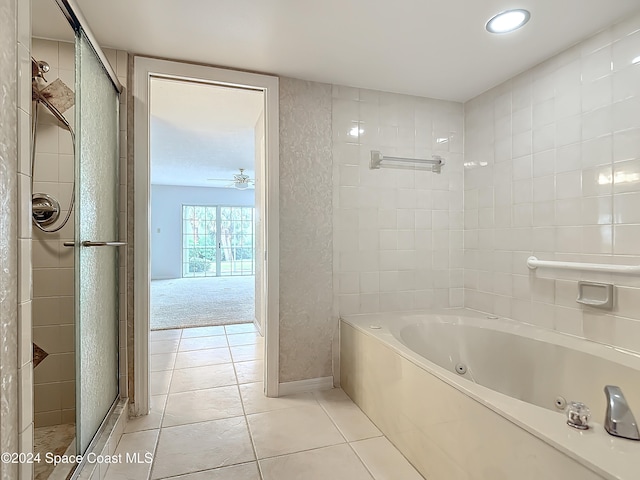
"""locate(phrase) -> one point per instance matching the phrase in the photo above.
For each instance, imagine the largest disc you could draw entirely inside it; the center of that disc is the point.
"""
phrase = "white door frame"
(144, 69)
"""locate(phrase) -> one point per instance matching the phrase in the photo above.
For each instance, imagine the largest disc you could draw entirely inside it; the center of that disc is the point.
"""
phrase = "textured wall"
(8, 235)
(553, 170)
(306, 324)
(397, 232)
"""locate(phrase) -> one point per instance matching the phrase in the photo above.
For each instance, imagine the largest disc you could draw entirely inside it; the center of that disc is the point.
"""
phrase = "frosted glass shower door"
(96, 235)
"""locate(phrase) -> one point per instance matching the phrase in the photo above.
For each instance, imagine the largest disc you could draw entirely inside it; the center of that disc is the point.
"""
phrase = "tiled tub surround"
(451, 427)
(397, 233)
(211, 420)
(553, 159)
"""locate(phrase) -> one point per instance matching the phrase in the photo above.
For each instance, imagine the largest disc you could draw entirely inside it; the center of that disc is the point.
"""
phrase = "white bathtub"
(499, 420)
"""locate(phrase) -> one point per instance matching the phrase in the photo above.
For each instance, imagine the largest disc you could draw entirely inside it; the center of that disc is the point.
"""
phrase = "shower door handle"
(87, 243)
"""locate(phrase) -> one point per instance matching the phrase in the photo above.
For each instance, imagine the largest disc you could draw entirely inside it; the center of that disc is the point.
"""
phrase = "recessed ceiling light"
(636, 60)
(508, 21)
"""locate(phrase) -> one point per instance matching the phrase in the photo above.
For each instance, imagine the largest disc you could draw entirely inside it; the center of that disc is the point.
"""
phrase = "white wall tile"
(581, 119)
(396, 211)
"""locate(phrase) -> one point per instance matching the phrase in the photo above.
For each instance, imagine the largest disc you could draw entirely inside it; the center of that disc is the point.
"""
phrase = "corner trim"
(308, 385)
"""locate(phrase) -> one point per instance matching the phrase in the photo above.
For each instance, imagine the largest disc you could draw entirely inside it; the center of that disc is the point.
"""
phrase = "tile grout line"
(157, 443)
(237, 384)
(181, 475)
(382, 435)
(344, 436)
(246, 420)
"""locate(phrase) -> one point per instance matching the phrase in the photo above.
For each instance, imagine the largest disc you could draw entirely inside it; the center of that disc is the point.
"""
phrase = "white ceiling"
(201, 131)
(434, 48)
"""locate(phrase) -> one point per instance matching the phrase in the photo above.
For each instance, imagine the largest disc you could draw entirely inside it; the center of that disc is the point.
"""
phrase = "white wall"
(397, 233)
(166, 221)
(553, 159)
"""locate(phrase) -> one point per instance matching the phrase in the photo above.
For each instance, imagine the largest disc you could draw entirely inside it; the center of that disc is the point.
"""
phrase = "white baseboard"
(309, 385)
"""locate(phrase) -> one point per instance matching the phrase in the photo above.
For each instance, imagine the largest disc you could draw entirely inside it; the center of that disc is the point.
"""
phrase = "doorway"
(217, 239)
(205, 142)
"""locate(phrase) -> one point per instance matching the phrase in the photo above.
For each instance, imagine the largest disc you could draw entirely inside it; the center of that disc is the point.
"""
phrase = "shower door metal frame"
(74, 16)
(78, 22)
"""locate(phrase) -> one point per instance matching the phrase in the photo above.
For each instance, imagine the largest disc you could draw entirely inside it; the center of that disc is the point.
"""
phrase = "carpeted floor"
(197, 302)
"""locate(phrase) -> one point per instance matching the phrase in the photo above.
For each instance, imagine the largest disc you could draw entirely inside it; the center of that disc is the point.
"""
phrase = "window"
(217, 241)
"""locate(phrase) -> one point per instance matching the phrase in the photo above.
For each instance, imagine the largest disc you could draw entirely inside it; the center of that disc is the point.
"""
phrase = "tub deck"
(381, 375)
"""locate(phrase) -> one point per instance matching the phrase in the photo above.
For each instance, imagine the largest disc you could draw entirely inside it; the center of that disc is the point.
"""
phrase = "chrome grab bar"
(88, 243)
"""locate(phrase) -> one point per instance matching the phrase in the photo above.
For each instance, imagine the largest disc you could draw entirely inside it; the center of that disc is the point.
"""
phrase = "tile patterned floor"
(210, 420)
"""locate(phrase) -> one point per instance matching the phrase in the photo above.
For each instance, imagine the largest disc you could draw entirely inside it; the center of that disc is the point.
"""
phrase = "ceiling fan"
(240, 181)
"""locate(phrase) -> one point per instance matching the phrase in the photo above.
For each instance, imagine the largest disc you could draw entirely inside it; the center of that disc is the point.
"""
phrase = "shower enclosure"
(84, 224)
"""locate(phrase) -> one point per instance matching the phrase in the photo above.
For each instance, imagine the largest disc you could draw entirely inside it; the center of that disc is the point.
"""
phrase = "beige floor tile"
(163, 346)
(331, 395)
(254, 400)
(202, 405)
(138, 445)
(244, 353)
(200, 358)
(245, 471)
(337, 462)
(173, 334)
(200, 343)
(198, 378)
(159, 382)
(249, 372)
(202, 332)
(384, 460)
(241, 328)
(243, 339)
(350, 420)
(202, 446)
(151, 421)
(161, 361)
(292, 430)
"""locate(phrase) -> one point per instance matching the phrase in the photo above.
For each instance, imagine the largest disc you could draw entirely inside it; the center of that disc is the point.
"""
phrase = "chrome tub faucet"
(619, 420)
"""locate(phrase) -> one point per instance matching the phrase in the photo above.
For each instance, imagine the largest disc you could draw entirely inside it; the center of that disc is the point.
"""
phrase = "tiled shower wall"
(53, 264)
(553, 170)
(398, 234)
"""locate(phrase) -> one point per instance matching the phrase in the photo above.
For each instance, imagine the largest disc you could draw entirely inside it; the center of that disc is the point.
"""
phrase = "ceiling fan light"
(241, 185)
